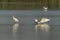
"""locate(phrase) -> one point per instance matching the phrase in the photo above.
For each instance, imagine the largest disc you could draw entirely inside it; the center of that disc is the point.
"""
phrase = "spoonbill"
(15, 19)
(43, 20)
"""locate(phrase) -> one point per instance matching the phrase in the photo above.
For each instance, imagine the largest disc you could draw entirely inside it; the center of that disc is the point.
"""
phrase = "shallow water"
(26, 28)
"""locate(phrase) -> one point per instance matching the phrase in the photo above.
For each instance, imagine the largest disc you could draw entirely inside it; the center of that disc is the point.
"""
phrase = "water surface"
(26, 28)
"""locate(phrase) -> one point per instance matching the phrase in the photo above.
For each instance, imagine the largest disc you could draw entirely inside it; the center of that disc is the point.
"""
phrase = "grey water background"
(26, 29)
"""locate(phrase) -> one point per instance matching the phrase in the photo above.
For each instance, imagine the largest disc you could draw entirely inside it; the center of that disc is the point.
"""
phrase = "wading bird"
(45, 8)
(43, 20)
(15, 19)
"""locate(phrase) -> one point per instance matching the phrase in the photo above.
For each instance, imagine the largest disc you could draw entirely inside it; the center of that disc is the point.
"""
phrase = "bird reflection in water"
(43, 30)
(36, 27)
(43, 26)
(15, 27)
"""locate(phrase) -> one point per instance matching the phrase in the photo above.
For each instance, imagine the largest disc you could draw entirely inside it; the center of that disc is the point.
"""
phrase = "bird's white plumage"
(15, 19)
(36, 20)
(44, 20)
(45, 7)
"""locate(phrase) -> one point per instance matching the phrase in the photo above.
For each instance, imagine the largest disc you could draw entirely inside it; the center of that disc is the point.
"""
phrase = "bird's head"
(36, 20)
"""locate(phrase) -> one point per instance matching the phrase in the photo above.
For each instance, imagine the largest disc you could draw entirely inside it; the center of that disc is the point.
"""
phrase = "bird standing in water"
(15, 19)
(43, 20)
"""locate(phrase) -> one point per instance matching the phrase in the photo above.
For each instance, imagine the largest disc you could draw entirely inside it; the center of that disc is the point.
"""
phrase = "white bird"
(43, 20)
(36, 21)
(15, 19)
(45, 8)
